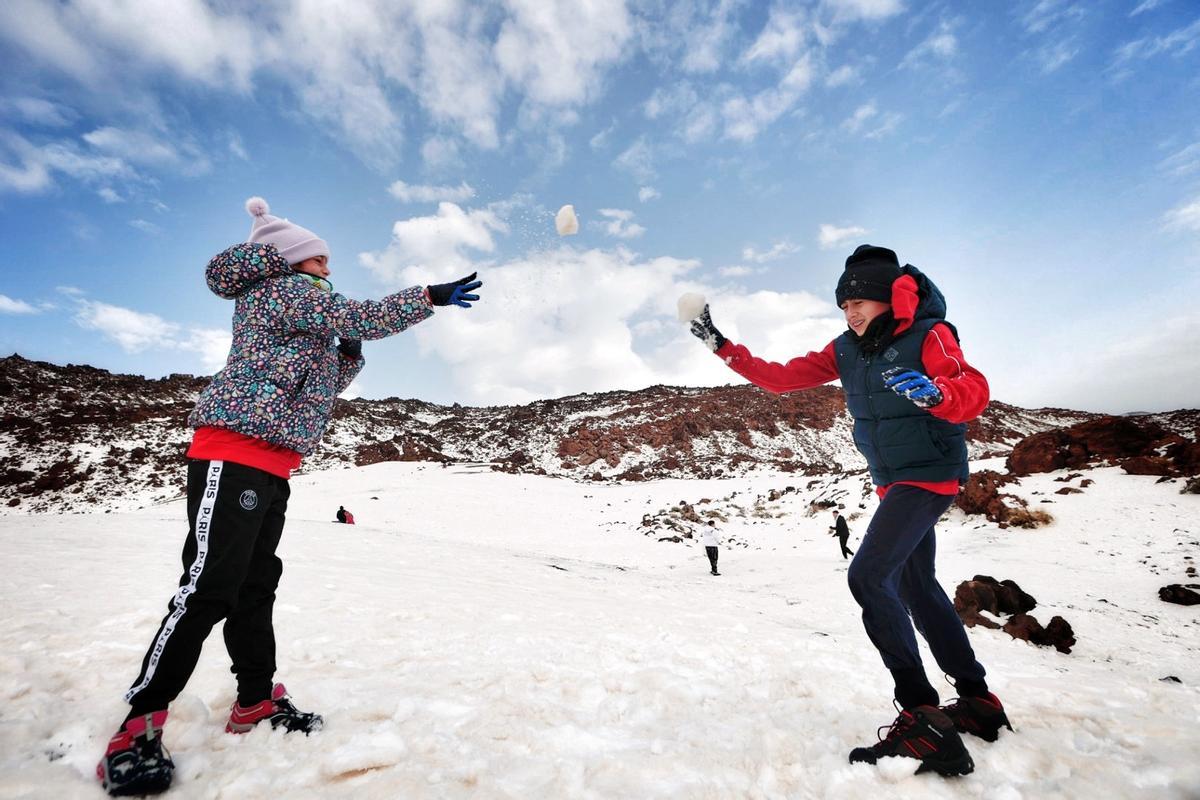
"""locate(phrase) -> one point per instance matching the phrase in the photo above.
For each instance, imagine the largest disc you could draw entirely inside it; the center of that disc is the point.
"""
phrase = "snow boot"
(978, 716)
(926, 734)
(136, 763)
(278, 710)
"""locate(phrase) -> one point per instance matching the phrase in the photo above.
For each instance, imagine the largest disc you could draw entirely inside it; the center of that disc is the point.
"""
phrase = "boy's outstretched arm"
(803, 372)
(965, 391)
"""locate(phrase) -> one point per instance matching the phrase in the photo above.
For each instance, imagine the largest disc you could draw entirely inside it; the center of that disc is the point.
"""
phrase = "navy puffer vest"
(900, 441)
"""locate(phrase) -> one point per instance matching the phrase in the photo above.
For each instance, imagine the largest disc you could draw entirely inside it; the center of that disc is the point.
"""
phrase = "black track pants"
(230, 571)
(711, 552)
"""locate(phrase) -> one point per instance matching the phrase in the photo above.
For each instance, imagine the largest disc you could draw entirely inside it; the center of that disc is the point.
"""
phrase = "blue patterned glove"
(455, 293)
(704, 330)
(913, 385)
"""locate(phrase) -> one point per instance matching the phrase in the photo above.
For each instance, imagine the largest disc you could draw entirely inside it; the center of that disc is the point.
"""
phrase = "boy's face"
(859, 313)
(318, 267)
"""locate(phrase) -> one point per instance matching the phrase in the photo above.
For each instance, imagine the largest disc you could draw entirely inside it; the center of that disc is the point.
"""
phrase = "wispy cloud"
(411, 193)
(853, 10)
(1184, 218)
(9, 305)
(146, 226)
(620, 223)
(1051, 14)
(773, 253)
(1183, 162)
(831, 236)
(1178, 42)
(1144, 6)
(938, 48)
(780, 39)
(638, 161)
(648, 193)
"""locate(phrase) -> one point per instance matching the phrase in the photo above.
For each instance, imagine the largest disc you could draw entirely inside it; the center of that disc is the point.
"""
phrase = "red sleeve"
(964, 389)
(802, 372)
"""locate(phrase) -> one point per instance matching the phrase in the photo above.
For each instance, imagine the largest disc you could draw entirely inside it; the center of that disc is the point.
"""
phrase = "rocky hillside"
(75, 437)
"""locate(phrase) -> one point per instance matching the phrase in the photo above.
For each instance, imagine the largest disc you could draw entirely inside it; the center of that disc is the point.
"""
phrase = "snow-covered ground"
(484, 635)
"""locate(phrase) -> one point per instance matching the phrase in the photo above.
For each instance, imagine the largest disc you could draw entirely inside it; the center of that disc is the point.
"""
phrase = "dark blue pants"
(892, 578)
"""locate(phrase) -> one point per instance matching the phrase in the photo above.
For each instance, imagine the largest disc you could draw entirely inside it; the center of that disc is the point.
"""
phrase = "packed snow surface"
(484, 635)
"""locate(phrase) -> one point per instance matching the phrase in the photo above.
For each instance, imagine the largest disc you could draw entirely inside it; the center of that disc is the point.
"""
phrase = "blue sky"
(1039, 160)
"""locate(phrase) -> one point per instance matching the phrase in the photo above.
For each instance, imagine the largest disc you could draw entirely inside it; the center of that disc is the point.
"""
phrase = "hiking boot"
(136, 763)
(926, 734)
(279, 710)
(978, 716)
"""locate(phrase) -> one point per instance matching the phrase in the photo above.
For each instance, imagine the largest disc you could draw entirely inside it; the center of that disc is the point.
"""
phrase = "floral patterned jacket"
(284, 368)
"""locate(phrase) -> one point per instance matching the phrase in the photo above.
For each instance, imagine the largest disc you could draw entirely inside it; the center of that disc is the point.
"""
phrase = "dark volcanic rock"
(1141, 446)
(1181, 594)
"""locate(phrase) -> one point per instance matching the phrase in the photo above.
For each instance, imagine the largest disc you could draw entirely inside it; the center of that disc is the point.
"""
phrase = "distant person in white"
(711, 542)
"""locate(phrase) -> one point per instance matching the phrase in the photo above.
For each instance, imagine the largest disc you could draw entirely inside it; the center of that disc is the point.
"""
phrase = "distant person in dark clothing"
(842, 531)
(341, 514)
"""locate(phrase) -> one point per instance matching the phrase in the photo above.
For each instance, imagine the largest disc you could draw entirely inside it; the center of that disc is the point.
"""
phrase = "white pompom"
(256, 207)
(691, 305)
(565, 221)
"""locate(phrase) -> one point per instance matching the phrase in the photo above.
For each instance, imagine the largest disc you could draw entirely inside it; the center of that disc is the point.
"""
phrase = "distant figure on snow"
(341, 514)
(911, 392)
(711, 542)
(842, 531)
(349, 518)
(296, 346)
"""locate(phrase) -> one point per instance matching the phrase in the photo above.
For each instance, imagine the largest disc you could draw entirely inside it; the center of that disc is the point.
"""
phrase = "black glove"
(350, 348)
(704, 330)
(444, 294)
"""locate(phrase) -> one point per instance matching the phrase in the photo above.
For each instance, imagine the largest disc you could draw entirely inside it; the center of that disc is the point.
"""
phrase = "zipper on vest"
(874, 414)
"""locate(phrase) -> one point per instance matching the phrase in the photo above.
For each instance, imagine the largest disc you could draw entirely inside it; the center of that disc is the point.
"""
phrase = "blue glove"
(455, 293)
(704, 330)
(913, 385)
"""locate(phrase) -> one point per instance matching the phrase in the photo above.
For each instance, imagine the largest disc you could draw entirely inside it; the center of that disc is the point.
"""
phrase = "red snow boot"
(278, 710)
(136, 763)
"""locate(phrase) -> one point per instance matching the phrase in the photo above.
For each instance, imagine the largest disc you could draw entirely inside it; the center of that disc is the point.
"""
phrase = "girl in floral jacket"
(296, 346)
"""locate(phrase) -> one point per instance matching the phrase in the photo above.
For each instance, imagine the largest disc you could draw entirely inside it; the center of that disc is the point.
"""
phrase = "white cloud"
(831, 236)
(670, 102)
(939, 46)
(704, 40)
(620, 223)
(212, 344)
(845, 75)
(440, 152)
(555, 50)
(132, 330)
(1178, 42)
(434, 247)
(648, 193)
(1057, 54)
(745, 117)
(737, 271)
(236, 147)
(109, 195)
(870, 10)
(781, 38)
(10, 306)
(638, 161)
(1184, 218)
(410, 193)
(145, 226)
(38, 111)
(776, 252)
(610, 323)
(26, 167)
(1184, 162)
(861, 115)
(1047, 15)
(1144, 6)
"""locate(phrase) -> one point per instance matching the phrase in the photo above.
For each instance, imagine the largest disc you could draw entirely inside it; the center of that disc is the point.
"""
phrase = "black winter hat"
(869, 274)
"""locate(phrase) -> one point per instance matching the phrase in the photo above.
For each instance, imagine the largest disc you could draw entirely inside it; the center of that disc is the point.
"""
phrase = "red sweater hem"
(221, 444)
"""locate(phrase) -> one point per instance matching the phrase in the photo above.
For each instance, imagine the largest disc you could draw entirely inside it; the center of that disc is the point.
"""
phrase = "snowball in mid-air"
(691, 305)
(566, 221)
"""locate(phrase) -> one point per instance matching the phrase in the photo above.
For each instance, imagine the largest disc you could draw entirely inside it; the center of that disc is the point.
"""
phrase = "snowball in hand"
(691, 305)
(565, 221)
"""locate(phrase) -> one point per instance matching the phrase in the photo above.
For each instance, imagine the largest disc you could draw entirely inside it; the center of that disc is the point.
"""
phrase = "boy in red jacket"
(910, 391)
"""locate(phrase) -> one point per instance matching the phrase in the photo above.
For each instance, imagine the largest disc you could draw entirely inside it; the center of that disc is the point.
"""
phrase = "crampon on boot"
(923, 733)
(278, 710)
(136, 763)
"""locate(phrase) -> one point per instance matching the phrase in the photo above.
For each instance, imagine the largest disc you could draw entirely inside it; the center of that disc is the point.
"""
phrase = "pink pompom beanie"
(294, 243)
